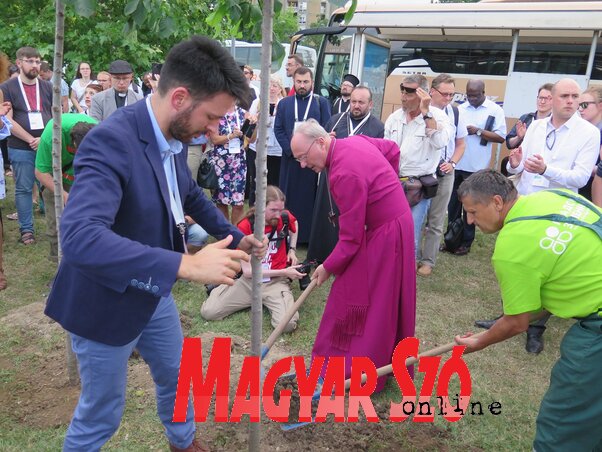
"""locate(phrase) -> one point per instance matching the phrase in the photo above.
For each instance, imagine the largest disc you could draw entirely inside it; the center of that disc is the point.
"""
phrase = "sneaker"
(13, 216)
(209, 288)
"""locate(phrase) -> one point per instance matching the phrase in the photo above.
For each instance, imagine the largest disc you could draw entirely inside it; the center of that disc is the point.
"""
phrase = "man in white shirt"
(420, 131)
(557, 152)
(486, 124)
(442, 93)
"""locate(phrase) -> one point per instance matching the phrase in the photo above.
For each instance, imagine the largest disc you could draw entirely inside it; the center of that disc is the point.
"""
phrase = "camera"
(247, 128)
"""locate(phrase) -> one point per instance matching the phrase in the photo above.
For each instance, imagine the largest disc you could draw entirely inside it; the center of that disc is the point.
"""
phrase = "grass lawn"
(460, 290)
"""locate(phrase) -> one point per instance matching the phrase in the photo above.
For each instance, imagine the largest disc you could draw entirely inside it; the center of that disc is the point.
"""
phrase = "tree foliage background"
(139, 31)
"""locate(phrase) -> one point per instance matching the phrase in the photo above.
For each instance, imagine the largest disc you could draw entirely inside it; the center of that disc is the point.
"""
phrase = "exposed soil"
(40, 397)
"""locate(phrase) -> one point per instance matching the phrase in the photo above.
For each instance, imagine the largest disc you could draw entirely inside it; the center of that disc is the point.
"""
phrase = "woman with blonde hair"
(274, 150)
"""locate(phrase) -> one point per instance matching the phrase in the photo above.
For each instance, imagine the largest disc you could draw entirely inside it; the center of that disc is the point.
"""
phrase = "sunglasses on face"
(405, 89)
(584, 105)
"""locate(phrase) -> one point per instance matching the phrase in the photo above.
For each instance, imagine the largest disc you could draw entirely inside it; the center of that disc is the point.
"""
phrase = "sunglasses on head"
(405, 89)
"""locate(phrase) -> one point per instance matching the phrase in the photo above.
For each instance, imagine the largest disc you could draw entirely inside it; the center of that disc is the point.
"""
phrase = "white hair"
(311, 129)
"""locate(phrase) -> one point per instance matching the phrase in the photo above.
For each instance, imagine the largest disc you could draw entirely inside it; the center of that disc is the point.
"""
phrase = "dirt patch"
(35, 393)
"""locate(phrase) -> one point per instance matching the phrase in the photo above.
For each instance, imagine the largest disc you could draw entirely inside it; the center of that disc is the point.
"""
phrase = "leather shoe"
(486, 324)
(209, 288)
(462, 251)
(195, 446)
(535, 339)
(424, 270)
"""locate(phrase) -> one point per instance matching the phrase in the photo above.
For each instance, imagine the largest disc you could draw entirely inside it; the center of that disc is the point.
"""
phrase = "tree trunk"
(57, 173)
(260, 189)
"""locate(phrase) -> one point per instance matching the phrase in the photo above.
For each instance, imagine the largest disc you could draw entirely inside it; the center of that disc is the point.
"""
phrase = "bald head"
(475, 92)
(565, 83)
(565, 100)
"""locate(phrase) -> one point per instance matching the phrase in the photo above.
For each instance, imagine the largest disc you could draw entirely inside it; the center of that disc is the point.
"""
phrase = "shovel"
(385, 370)
(287, 317)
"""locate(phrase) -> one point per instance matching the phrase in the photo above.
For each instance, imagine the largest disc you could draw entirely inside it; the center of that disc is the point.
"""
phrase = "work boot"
(535, 339)
(195, 446)
(486, 324)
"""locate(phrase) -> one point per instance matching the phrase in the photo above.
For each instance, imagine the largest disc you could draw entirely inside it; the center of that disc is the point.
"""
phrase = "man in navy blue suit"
(123, 239)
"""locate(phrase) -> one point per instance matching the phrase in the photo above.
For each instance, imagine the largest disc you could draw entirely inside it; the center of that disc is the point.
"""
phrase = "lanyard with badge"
(297, 122)
(175, 201)
(36, 122)
(234, 145)
(353, 130)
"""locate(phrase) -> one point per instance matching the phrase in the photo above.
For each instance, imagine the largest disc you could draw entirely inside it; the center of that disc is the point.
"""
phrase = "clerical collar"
(121, 94)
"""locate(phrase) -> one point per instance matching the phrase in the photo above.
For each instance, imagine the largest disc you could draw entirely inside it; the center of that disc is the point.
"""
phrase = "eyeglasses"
(127, 78)
(584, 105)
(32, 62)
(448, 95)
(405, 89)
(246, 72)
(544, 98)
(551, 139)
(303, 157)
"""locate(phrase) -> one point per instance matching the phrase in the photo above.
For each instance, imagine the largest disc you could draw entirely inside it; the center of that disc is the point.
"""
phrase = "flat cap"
(120, 67)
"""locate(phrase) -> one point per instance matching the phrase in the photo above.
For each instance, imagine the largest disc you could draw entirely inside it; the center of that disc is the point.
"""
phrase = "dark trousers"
(454, 209)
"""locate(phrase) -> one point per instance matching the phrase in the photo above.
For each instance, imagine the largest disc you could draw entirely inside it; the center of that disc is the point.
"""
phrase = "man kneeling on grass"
(279, 267)
(543, 259)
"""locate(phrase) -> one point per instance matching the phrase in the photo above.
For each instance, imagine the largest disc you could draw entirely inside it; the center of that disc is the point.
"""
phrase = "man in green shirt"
(71, 123)
(547, 264)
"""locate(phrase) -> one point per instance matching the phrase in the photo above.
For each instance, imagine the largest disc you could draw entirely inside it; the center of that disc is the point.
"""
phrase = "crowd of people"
(368, 199)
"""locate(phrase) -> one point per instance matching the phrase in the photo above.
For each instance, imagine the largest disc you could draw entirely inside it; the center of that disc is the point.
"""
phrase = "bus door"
(370, 62)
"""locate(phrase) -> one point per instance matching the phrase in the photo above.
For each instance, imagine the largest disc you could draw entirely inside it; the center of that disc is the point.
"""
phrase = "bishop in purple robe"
(372, 302)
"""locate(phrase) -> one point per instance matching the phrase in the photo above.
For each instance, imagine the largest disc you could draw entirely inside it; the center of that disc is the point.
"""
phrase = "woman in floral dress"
(228, 159)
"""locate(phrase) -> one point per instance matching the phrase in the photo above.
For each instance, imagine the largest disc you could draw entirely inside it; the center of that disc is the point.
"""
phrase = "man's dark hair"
(27, 52)
(204, 68)
(304, 70)
(79, 131)
(45, 66)
(442, 78)
(298, 58)
(13, 69)
(485, 184)
(546, 86)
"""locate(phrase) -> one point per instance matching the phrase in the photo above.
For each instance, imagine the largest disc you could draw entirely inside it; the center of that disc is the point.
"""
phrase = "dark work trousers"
(454, 209)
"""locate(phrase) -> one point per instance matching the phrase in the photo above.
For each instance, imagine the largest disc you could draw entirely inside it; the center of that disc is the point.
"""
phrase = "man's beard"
(357, 116)
(273, 222)
(32, 74)
(302, 91)
(180, 126)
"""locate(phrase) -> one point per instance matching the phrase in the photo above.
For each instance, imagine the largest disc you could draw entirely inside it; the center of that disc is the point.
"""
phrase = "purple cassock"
(372, 302)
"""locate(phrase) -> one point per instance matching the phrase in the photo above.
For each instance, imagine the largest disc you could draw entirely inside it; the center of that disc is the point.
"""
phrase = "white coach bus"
(513, 46)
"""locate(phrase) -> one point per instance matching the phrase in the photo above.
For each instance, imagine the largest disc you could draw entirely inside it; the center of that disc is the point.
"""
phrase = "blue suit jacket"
(121, 249)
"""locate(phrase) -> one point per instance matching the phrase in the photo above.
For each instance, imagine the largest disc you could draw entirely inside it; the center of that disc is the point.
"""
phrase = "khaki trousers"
(276, 296)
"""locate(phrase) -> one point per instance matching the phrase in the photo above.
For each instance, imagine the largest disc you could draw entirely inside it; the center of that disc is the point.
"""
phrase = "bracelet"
(292, 248)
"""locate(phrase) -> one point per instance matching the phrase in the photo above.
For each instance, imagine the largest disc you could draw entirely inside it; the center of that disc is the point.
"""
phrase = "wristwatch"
(427, 115)
(453, 164)
(479, 132)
